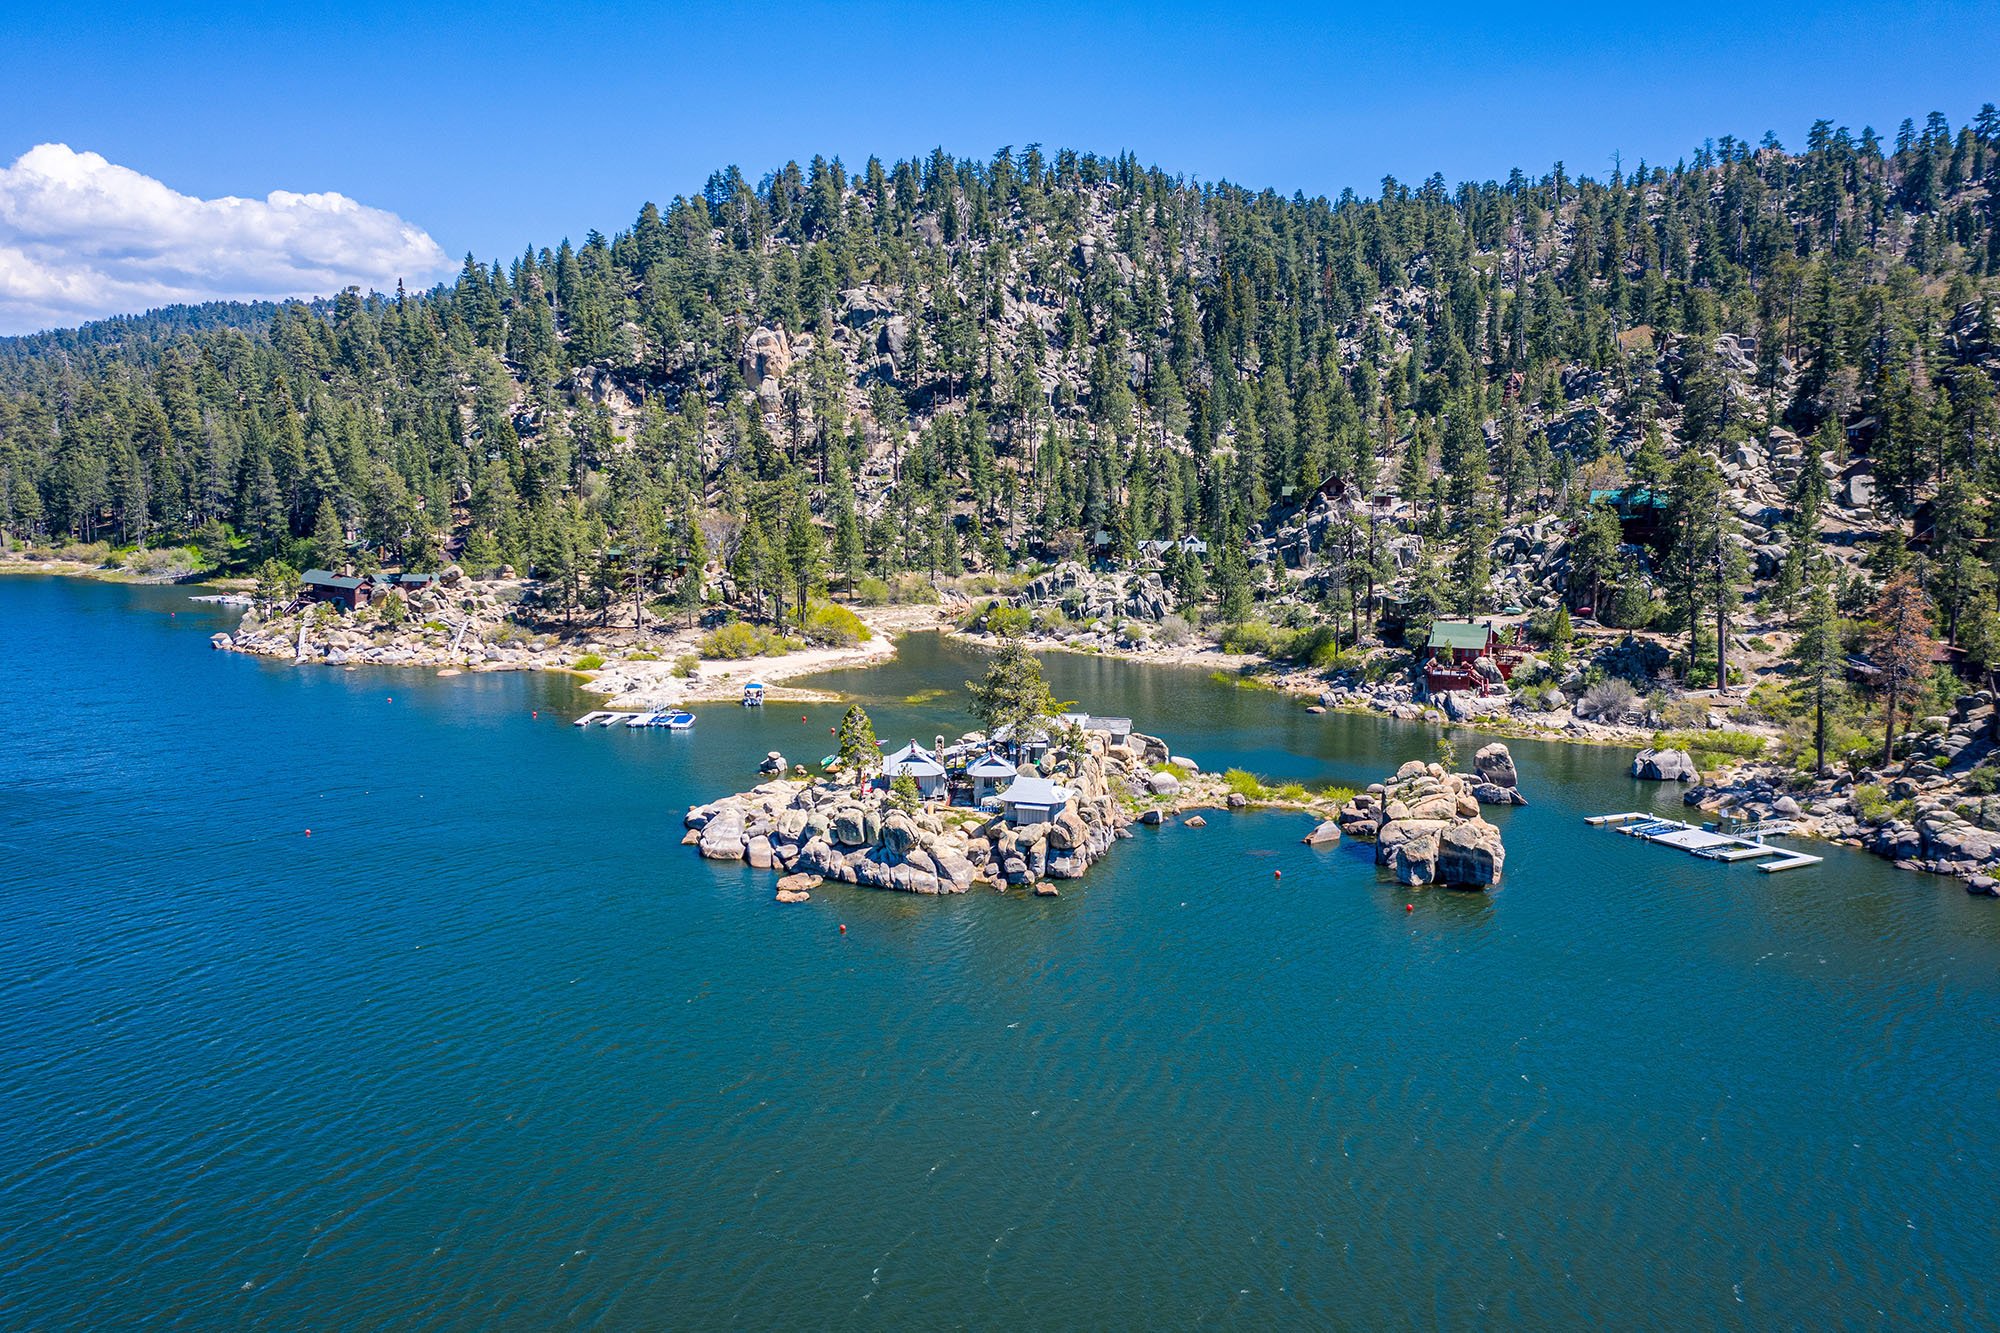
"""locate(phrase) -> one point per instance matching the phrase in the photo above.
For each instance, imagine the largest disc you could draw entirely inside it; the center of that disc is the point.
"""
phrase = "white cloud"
(81, 238)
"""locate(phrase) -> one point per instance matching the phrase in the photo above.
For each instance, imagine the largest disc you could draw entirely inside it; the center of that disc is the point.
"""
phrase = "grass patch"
(1240, 682)
(589, 662)
(1242, 782)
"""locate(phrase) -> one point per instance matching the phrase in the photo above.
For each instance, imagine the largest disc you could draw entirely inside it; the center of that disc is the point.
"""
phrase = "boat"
(753, 694)
(677, 720)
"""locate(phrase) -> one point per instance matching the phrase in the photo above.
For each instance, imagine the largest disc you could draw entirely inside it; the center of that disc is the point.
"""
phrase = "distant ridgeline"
(949, 365)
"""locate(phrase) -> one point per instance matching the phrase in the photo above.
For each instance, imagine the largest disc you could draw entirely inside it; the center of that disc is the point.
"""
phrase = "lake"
(490, 1049)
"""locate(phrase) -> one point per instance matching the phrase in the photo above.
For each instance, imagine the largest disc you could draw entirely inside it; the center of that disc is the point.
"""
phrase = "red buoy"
(1277, 874)
(843, 929)
(802, 718)
(309, 833)
(1409, 907)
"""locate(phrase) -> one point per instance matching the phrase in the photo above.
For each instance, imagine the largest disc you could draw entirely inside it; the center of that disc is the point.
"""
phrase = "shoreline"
(638, 684)
(1910, 841)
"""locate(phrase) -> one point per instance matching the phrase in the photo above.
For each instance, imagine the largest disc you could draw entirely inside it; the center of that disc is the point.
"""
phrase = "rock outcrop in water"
(1495, 781)
(858, 835)
(1427, 828)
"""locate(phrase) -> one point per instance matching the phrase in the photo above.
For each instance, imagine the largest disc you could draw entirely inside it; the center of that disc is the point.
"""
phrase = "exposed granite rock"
(1495, 766)
(1427, 828)
(825, 831)
(1651, 765)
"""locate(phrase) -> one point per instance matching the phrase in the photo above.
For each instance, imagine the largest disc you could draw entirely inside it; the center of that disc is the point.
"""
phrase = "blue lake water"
(489, 1049)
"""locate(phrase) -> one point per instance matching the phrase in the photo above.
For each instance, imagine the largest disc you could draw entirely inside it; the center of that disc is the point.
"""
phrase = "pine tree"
(805, 554)
(1901, 648)
(1816, 656)
(859, 752)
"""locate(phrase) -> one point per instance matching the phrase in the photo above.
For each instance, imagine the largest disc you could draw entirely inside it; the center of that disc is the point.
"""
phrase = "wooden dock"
(1707, 843)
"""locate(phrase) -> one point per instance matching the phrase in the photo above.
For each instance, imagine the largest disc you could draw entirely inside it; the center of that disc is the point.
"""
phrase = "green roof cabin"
(1461, 641)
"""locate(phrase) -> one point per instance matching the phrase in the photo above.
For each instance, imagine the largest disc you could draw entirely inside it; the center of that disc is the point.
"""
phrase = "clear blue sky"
(495, 124)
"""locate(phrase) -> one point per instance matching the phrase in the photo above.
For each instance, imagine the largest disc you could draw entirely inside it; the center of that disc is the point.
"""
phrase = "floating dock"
(673, 719)
(1745, 844)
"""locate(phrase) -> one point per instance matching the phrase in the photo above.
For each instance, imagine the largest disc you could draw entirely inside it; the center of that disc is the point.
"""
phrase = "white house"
(990, 774)
(920, 765)
(1033, 801)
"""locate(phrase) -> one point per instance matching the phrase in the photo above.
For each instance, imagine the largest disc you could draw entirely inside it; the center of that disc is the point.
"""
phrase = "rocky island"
(1048, 819)
(1426, 821)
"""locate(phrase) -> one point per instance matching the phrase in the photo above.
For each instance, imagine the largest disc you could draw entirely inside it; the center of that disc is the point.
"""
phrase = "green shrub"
(1983, 781)
(912, 590)
(1251, 636)
(1009, 622)
(827, 623)
(1734, 744)
(1870, 802)
(734, 642)
(684, 665)
(642, 655)
(87, 553)
(871, 591)
(589, 662)
(1315, 645)
(1051, 620)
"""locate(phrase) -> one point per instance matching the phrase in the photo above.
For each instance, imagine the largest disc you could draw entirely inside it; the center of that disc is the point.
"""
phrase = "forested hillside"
(1786, 357)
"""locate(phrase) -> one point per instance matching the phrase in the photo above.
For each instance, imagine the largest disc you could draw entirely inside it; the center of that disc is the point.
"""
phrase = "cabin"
(753, 694)
(1461, 642)
(1031, 745)
(410, 583)
(321, 585)
(1033, 801)
(1462, 655)
(1641, 512)
(990, 775)
(920, 766)
(1114, 729)
(1158, 550)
